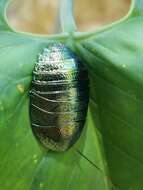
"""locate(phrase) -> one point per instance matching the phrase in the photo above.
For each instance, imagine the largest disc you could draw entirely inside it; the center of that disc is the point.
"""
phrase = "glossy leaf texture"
(112, 139)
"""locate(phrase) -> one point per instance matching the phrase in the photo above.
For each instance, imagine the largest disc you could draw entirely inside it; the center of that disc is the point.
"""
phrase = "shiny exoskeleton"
(58, 97)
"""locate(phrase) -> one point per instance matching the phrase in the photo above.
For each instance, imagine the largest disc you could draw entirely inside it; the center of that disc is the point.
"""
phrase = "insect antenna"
(85, 157)
(93, 164)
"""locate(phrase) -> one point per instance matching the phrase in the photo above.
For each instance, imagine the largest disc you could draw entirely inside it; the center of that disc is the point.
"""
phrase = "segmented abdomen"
(58, 97)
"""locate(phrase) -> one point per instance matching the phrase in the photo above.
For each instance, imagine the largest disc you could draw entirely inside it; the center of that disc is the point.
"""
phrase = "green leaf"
(22, 160)
(111, 144)
(114, 58)
(3, 23)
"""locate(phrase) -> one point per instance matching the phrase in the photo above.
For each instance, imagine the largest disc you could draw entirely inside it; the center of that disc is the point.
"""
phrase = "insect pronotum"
(58, 97)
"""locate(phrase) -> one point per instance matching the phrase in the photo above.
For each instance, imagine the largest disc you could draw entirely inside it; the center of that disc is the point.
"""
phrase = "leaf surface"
(112, 138)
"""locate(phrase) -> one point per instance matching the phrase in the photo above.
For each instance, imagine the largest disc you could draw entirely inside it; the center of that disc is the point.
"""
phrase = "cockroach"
(59, 97)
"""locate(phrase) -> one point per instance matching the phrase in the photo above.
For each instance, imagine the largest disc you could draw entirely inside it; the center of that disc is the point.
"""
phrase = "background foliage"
(38, 16)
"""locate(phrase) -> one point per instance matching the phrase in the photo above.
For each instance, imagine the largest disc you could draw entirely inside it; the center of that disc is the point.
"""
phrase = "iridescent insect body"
(58, 97)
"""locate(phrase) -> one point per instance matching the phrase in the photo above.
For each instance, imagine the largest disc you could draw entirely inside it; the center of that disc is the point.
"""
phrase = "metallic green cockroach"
(58, 97)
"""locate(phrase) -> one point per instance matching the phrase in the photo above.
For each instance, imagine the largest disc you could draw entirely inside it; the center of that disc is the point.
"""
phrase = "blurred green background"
(39, 16)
